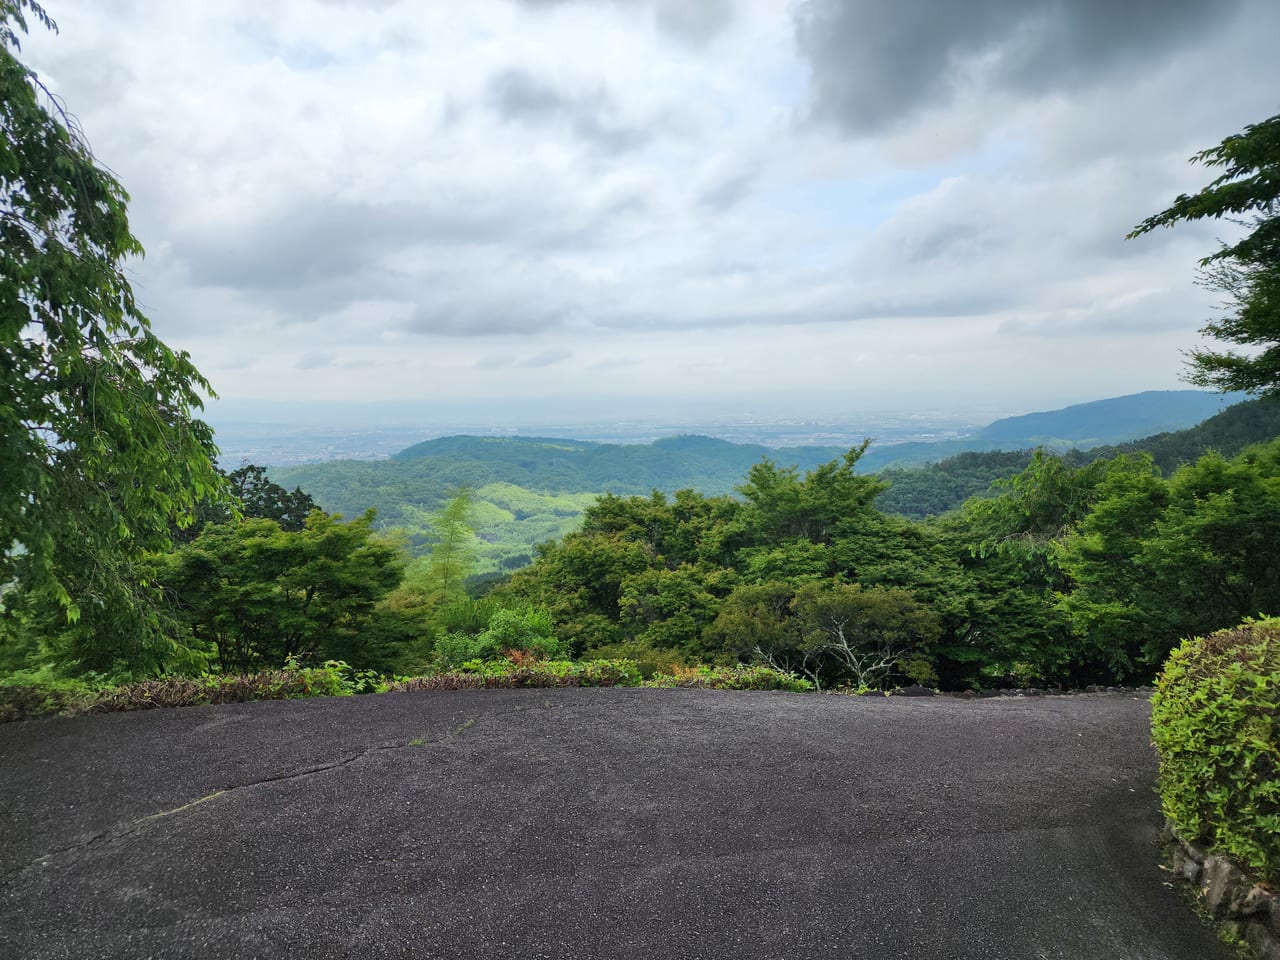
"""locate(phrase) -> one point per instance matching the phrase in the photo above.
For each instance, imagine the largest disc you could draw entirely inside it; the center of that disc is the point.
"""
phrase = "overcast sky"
(827, 205)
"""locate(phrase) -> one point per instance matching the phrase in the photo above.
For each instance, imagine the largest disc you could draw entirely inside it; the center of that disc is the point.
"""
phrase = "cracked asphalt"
(591, 823)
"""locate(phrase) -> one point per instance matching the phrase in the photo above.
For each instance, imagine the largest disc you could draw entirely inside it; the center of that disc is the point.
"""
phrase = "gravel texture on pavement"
(588, 823)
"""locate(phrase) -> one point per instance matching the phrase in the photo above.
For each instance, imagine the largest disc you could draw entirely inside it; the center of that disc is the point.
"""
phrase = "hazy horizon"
(532, 411)
(272, 433)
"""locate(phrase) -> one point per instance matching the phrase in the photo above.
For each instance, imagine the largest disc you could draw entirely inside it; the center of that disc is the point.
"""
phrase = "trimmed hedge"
(1216, 726)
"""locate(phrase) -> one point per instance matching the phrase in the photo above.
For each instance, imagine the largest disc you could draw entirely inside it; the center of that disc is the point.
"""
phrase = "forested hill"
(703, 463)
(1116, 420)
(931, 489)
(1081, 426)
(528, 490)
(1228, 433)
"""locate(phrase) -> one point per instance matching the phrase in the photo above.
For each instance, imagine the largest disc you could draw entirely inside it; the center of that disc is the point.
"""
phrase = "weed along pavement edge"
(582, 823)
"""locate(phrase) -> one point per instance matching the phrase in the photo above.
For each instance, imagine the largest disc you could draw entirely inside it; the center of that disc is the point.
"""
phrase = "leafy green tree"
(253, 594)
(757, 622)
(1109, 601)
(251, 494)
(260, 497)
(687, 529)
(99, 449)
(1006, 548)
(1214, 555)
(453, 555)
(1014, 634)
(936, 488)
(580, 581)
(1248, 271)
(1157, 561)
(829, 632)
(437, 583)
(669, 609)
(782, 505)
(867, 635)
(1036, 507)
(510, 631)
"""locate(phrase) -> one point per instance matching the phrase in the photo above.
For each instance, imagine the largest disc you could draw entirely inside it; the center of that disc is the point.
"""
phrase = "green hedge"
(1216, 726)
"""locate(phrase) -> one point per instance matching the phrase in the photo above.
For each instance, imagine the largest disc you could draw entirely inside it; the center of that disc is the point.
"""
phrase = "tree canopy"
(1247, 271)
(253, 594)
(99, 448)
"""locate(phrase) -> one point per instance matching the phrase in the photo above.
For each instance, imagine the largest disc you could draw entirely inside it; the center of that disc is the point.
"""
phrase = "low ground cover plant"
(1216, 726)
(37, 695)
(24, 701)
(482, 674)
(40, 693)
(740, 677)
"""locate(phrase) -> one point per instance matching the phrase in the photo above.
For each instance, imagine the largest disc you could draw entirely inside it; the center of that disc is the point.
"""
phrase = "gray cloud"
(875, 64)
(1155, 313)
(694, 22)
(314, 361)
(312, 259)
(546, 358)
(726, 193)
(493, 361)
(519, 96)
(309, 241)
(536, 361)
(847, 305)
(469, 313)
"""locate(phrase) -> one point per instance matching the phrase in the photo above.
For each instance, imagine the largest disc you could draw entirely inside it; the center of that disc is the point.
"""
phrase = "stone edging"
(1250, 911)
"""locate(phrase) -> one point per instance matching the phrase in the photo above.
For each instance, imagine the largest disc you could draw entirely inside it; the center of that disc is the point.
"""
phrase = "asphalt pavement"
(592, 824)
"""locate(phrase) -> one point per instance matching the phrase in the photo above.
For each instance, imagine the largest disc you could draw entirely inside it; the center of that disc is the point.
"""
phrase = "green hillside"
(1111, 421)
(935, 488)
(1080, 426)
(1228, 433)
(528, 490)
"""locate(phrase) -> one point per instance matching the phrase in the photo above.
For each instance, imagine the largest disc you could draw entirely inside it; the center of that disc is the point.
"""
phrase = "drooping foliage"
(100, 451)
(1247, 271)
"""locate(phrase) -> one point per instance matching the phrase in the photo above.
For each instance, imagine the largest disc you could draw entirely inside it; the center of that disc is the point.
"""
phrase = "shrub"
(740, 677)
(1216, 726)
(503, 674)
(528, 629)
(649, 658)
(39, 693)
(333, 679)
(25, 696)
(455, 649)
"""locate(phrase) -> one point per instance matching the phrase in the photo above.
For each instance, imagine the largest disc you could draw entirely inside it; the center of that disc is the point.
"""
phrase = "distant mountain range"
(530, 489)
(1081, 426)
